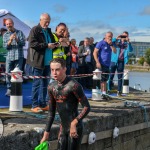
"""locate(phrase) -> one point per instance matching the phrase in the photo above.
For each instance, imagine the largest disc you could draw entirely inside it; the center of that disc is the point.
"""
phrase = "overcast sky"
(86, 18)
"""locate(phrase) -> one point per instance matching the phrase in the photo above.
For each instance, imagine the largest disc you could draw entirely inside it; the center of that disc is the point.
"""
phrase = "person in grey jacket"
(86, 63)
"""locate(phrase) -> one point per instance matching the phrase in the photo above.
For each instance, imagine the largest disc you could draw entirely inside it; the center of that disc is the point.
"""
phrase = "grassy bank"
(138, 68)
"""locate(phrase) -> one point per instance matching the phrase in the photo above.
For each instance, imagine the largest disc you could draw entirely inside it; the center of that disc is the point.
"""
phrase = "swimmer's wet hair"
(60, 61)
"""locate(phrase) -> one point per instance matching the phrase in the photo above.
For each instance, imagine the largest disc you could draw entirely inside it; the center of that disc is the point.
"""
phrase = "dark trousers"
(120, 68)
(86, 82)
(68, 69)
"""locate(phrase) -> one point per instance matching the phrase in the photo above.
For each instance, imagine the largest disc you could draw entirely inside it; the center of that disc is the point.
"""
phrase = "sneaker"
(8, 93)
(45, 108)
(36, 110)
(108, 92)
(118, 93)
(103, 97)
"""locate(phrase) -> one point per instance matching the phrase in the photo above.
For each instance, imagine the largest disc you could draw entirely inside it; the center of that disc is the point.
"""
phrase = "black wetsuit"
(65, 97)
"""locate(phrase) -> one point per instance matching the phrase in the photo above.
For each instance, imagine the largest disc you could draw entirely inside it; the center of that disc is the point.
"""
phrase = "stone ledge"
(104, 116)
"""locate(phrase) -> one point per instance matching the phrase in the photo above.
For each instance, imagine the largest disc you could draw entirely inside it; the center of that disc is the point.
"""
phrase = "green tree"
(141, 61)
(130, 61)
(147, 56)
(131, 55)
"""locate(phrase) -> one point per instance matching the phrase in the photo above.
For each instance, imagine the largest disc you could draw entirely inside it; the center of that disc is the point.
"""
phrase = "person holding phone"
(40, 52)
(119, 59)
(57, 43)
(58, 51)
(62, 50)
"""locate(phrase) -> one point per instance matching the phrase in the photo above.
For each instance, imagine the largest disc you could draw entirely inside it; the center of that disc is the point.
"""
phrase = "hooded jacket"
(115, 56)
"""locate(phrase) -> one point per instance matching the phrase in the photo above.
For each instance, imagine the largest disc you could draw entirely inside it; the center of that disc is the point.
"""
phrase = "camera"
(123, 36)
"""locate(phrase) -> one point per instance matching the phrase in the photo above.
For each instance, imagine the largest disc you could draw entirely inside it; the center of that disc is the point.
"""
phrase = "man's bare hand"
(98, 65)
(86, 53)
(68, 54)
(73, 129)
(51, 45)
(118, 37)
(15, 37)
(45, 137)
(127, 39)
(12, 37)
(109, 41)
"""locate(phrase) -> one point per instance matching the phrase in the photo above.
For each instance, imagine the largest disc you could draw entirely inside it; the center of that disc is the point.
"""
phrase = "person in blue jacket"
(119, 59)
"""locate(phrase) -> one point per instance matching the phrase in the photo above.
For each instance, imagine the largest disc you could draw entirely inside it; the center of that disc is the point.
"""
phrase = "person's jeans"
(28, 70)
(39, 87)
(120, 68)
(10, 65)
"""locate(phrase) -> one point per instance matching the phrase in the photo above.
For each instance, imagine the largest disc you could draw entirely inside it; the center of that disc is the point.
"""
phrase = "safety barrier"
(16, 75)
(96, 90)
(16, 91)
(125, 89)
(48, 77)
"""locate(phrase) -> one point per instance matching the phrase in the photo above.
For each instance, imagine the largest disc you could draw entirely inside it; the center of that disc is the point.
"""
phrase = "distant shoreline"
(138, 68)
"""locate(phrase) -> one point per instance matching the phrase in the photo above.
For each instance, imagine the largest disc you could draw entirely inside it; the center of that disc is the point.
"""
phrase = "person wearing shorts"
(102, 56)
(105, 73)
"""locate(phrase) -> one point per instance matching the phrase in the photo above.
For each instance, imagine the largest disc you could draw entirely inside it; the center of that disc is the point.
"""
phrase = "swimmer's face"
(57, 71)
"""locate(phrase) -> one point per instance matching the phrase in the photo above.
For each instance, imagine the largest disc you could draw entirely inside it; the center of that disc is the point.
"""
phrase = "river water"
(139, 80)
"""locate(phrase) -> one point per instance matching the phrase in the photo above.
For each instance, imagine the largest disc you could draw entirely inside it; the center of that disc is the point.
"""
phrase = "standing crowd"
(56, 55)
(109, 55)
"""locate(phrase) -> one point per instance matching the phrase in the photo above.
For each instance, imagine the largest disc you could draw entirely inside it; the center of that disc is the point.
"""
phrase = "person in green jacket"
(2, 50)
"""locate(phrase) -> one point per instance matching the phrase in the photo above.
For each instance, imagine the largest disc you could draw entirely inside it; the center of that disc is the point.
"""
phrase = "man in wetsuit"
(65, 94)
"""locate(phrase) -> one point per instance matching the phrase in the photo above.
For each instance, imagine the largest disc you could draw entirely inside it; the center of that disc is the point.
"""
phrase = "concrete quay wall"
(137, 140)
(132, 123)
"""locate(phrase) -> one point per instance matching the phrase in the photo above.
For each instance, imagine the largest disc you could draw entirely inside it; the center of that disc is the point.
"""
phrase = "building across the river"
(139, 48)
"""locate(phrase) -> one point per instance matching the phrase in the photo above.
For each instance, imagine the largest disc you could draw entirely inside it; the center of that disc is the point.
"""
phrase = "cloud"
(59, 8)
(97, 29)
(86, 28)
(31, 23)
(120, 14)
(145, 11)
(141, 35)
(55, 19)
(53, 23)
